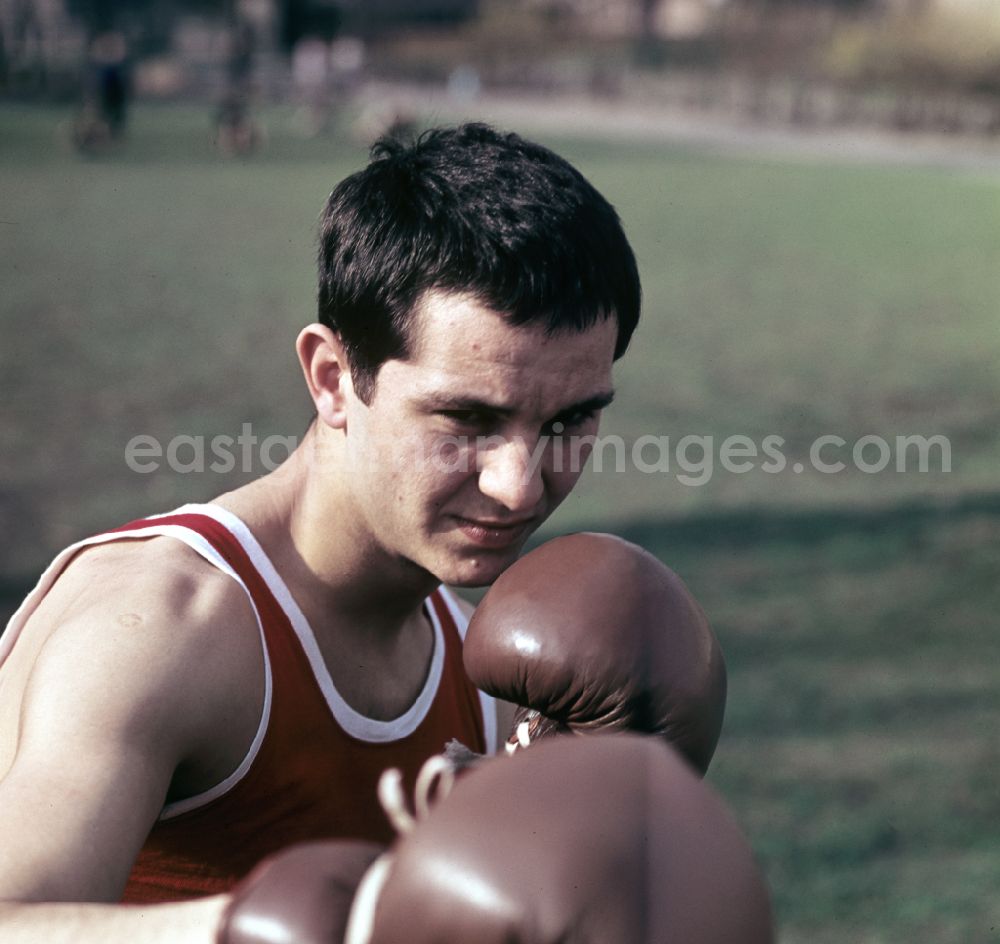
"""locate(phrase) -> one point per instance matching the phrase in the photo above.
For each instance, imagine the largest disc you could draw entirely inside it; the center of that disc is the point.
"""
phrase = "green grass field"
(158, 292)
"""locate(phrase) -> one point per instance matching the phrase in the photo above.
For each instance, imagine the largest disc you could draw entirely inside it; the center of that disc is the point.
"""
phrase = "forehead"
(461, 346)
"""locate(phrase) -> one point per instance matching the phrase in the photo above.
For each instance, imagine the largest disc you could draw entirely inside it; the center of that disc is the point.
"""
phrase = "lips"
(494, 534)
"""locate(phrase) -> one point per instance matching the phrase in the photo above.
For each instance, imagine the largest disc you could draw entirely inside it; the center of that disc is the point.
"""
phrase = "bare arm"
(188, 923)
(113, 705)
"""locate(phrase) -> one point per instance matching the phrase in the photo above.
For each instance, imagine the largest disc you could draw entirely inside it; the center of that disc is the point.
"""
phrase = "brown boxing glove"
(589, 632)
(302, 895)
(611, 839)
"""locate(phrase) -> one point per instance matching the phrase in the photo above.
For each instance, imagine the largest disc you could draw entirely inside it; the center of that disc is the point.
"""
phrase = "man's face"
(454, 463)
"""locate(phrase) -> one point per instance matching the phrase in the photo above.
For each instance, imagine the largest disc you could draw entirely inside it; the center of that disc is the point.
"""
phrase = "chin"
(472, 583)
(478, 571)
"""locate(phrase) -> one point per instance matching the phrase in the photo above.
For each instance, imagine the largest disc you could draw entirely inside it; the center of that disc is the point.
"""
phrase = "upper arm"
(89, 776)
(108, 712)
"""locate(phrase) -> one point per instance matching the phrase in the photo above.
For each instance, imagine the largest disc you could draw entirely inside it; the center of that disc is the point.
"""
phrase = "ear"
(328, 376)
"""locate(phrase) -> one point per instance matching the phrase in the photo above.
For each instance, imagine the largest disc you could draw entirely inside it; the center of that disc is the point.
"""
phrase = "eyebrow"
(436, 401)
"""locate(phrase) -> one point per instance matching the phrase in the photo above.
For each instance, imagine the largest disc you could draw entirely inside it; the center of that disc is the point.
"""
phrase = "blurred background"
(813, 191)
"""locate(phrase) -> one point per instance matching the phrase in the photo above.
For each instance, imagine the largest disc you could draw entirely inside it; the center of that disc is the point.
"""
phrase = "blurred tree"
(149, 24)
(301, 18)
(326, 18)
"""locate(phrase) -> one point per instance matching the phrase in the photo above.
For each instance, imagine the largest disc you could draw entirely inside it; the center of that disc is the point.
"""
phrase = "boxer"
(187, 694)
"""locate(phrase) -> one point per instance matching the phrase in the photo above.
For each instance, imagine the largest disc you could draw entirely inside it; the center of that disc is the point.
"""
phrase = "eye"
(566, 422)
(468, 419)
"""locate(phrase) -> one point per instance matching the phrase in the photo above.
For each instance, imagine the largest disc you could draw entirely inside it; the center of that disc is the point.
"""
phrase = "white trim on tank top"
(353, 722)
(486, 702)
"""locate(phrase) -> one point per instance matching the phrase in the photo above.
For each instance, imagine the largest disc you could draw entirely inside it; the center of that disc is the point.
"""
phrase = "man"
(193, 692)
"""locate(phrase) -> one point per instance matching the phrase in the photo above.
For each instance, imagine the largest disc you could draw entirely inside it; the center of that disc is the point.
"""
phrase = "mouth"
(495, 534)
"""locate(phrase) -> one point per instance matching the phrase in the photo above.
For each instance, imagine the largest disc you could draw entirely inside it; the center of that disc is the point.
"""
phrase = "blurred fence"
(932, 65)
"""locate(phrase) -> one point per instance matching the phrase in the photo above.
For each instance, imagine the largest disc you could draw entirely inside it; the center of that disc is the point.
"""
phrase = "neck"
(303, 515)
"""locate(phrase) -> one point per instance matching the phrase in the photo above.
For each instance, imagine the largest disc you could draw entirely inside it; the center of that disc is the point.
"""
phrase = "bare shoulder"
(160, 575)
(174, 637)
(132, 683)
(160, 601)
(159, 591)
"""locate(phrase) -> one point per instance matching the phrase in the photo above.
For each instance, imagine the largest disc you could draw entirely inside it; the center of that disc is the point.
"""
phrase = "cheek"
(391, 449)
(384, 466)
(561, 469)
(569, 454)
(562, 483)
(431, 470)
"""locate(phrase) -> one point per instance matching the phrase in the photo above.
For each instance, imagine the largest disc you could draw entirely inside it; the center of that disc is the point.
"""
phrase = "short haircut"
(476, 211)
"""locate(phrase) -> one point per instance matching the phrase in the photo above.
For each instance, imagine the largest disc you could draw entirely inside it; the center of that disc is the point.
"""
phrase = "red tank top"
(312, 770)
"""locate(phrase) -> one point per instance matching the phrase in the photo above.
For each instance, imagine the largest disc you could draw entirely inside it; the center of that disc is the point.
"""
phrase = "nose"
(510, 473)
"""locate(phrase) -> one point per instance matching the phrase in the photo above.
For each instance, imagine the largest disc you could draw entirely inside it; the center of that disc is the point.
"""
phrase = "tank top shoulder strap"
(224, 541)
(188, 524)
(455, 622)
